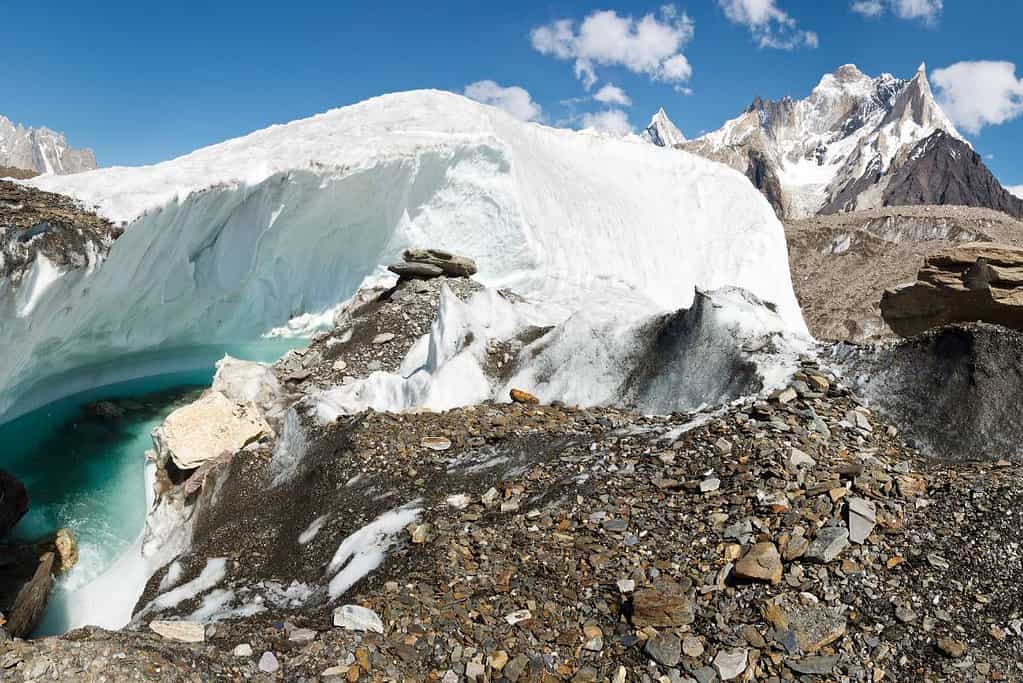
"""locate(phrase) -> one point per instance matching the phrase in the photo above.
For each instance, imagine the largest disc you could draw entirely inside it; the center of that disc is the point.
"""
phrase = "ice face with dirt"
(232, 240)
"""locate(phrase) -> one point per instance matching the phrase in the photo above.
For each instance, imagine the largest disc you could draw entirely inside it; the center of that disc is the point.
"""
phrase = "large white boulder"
(208, 428)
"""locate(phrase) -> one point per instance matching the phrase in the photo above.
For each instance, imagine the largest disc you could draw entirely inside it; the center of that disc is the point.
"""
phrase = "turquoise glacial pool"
(87, 473)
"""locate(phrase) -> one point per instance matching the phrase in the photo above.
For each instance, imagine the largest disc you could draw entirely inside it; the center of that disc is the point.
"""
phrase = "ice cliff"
(229, 241)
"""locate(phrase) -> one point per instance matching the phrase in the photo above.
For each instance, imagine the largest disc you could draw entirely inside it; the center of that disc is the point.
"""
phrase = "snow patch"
(363, 551)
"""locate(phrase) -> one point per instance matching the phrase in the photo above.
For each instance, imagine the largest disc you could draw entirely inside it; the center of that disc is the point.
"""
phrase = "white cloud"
(513, 99)
(651, 45)
(769, 25)
(1016, 190)
(610, 121)
(868, 8)
(612, 94)
(978, 94)
(927, 11)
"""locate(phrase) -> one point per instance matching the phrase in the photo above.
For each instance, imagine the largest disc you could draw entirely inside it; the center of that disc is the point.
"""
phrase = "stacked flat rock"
(973, 282)
(424, 264)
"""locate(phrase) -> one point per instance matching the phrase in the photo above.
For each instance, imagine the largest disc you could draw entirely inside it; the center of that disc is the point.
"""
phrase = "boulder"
(979, 281)
(31, 601)
(13, 502)
(450, 264)
(206, 429)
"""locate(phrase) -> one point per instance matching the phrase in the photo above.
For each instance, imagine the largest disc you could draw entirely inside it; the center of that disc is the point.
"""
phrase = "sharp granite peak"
(856, 142)
(662, 131)
(41, 150)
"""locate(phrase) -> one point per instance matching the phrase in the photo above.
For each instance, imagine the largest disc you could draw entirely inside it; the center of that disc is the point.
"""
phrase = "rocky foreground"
(33, 223)
(789, 537)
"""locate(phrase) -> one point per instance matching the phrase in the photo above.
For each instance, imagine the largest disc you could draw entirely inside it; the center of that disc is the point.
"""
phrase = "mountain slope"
(217, 238)
(41, 150)
(855, 143)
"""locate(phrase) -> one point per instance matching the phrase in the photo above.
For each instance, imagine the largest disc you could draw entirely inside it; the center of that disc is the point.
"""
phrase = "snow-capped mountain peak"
(662, 131)
(838, 148)
(41, 150)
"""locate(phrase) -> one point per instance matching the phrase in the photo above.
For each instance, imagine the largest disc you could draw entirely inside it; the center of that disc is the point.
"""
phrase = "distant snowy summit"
(662, 132)
(41, 150)
(855, 143)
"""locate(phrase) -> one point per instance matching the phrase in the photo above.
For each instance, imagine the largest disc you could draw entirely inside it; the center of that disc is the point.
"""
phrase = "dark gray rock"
(419, 271)
(13, 502)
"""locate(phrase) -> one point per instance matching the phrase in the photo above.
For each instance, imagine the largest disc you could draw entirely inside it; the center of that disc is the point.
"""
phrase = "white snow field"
(232, 240)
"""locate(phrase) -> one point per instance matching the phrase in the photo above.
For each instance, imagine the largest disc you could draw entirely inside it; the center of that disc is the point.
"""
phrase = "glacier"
(239, 238)
(614, 243)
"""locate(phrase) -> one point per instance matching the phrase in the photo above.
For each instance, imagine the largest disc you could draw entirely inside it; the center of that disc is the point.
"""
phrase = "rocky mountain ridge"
(854, 143)
(41, 150)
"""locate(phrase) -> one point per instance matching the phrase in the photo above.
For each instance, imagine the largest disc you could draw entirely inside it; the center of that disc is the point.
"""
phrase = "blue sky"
(144, 82)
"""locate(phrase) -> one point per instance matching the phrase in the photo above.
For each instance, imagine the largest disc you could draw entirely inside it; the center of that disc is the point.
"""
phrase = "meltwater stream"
(86, 472)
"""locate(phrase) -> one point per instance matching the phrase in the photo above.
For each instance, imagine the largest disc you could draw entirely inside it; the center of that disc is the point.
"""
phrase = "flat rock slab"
(450, 264)
(181, 631)
(419, 271)
(862, 519)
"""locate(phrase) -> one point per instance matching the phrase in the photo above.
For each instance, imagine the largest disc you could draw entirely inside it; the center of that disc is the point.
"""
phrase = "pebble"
(242, 650)
(664, 648)
(731, 663)
(268, 663)
(761, 563)
(181, 631)
(828, 544)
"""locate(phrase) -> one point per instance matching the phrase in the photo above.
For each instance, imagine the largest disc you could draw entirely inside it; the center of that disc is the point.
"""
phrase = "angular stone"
(358, 618)
(829, 543)
(663, 605)
(731, 663)
(181, 631)
(761, 563)
(862, 519)
(383, 338)
(692, 646)
(810, 627)
(665, 649)
(798, 458)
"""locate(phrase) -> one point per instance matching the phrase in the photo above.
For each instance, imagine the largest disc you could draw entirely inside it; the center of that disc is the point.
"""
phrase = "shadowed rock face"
(13, 502)
(944, 170)
(954, 391)
(975, 282)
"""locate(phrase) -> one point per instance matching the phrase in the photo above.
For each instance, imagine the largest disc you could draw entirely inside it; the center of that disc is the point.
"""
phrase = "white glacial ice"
(238, 238)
